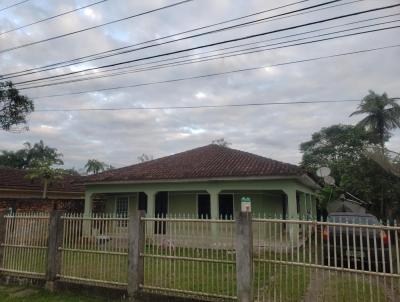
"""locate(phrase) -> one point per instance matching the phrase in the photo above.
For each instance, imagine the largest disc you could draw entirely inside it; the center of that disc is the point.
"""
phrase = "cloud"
(118, 137)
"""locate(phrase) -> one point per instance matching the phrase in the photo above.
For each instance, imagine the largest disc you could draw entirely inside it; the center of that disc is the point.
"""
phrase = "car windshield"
(370, 220)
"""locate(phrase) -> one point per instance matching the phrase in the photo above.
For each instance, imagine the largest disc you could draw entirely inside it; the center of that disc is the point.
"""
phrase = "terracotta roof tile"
(15, 179)
(211, 161)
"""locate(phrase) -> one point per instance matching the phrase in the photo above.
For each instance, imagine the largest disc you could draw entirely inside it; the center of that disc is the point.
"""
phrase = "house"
(204, 182)
(20, 194)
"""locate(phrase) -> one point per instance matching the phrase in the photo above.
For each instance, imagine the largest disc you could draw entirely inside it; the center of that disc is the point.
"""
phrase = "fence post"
(244, 257)
(136, 243)
(53, 254)
(2, 235)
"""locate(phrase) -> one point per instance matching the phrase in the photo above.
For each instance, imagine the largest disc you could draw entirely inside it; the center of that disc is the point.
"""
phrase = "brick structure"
(20, 194)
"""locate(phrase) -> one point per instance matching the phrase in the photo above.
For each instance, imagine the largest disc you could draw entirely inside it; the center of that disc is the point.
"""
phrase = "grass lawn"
(216, 276)
(28, 294)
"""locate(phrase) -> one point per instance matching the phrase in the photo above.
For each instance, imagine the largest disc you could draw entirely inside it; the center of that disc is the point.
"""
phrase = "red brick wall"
(41, 205)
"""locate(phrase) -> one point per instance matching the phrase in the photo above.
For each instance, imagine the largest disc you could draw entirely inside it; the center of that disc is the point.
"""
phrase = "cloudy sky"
(119, 137)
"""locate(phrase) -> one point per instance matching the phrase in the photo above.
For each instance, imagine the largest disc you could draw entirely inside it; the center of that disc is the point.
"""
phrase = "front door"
(161, 210)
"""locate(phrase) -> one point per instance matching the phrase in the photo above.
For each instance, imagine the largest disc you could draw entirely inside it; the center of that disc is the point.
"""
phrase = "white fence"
(25, 244)
(190, 257)
(293, 260)
(326, 261)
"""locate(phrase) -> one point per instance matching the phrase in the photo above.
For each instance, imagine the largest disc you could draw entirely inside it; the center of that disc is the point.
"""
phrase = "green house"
(206, 182)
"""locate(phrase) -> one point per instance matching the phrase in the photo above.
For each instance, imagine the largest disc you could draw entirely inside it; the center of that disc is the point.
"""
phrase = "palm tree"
(44, 171)
(383, 115)
(93, 166)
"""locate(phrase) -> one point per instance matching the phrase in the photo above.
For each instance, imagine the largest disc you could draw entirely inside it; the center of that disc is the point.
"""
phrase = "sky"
(119, 137)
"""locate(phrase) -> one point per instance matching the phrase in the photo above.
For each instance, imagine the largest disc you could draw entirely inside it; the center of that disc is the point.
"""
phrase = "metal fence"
(190, 257)
(25, 244)
(293, 260)
(94, 249)
(325, 261)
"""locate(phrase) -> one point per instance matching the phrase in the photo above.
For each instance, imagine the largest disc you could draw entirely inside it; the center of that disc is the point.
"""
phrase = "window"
(226, 206)
(161, 210)
(142, 202)
(203, 206)
(121, 206)
(298, 206)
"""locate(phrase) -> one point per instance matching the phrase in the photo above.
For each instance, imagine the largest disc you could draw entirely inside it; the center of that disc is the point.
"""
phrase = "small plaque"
(246, 204)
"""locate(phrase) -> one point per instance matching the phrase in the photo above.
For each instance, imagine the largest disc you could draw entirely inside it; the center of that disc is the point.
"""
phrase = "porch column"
(151, 202)
(303, 205)
(86, 226)
(151, 210)
(214, 203)
(309, 203)
(292, 228)
(214, 208)
(313, 206)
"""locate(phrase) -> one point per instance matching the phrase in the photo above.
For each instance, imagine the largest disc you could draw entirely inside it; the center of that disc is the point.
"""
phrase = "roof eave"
(304, 179)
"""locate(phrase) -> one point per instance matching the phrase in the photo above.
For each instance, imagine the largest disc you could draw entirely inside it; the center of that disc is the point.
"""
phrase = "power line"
(214, 44)
(198, 106)
(52, 17)
(81, 59)
(226, 55)
(13, 5)
(130, 70)
(222, 73)
(96, 26)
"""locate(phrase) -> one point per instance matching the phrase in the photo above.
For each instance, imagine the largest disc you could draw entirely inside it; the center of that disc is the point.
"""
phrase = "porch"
(212, 201)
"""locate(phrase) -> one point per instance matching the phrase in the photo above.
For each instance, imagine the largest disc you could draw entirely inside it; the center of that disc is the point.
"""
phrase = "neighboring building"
(205, 182)
(20, 194)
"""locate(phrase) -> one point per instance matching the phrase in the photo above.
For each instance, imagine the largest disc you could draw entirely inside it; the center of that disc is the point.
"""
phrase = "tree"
(13, 107)
(24, 158)
(339, 147)
(221, 142)
(383, 115)
(342, 148)
(44, 171)
(71, 172)
(94, 166)
(145, 157)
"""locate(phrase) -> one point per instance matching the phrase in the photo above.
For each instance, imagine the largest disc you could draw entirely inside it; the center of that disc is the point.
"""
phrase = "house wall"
(261, 202)
(182, 203)
(178, 201)
(185, 203)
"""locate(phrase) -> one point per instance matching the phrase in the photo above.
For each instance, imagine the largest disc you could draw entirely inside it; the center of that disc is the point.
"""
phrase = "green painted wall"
(182, 203)
(261, 202)
(185, 201)
(110, 204)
